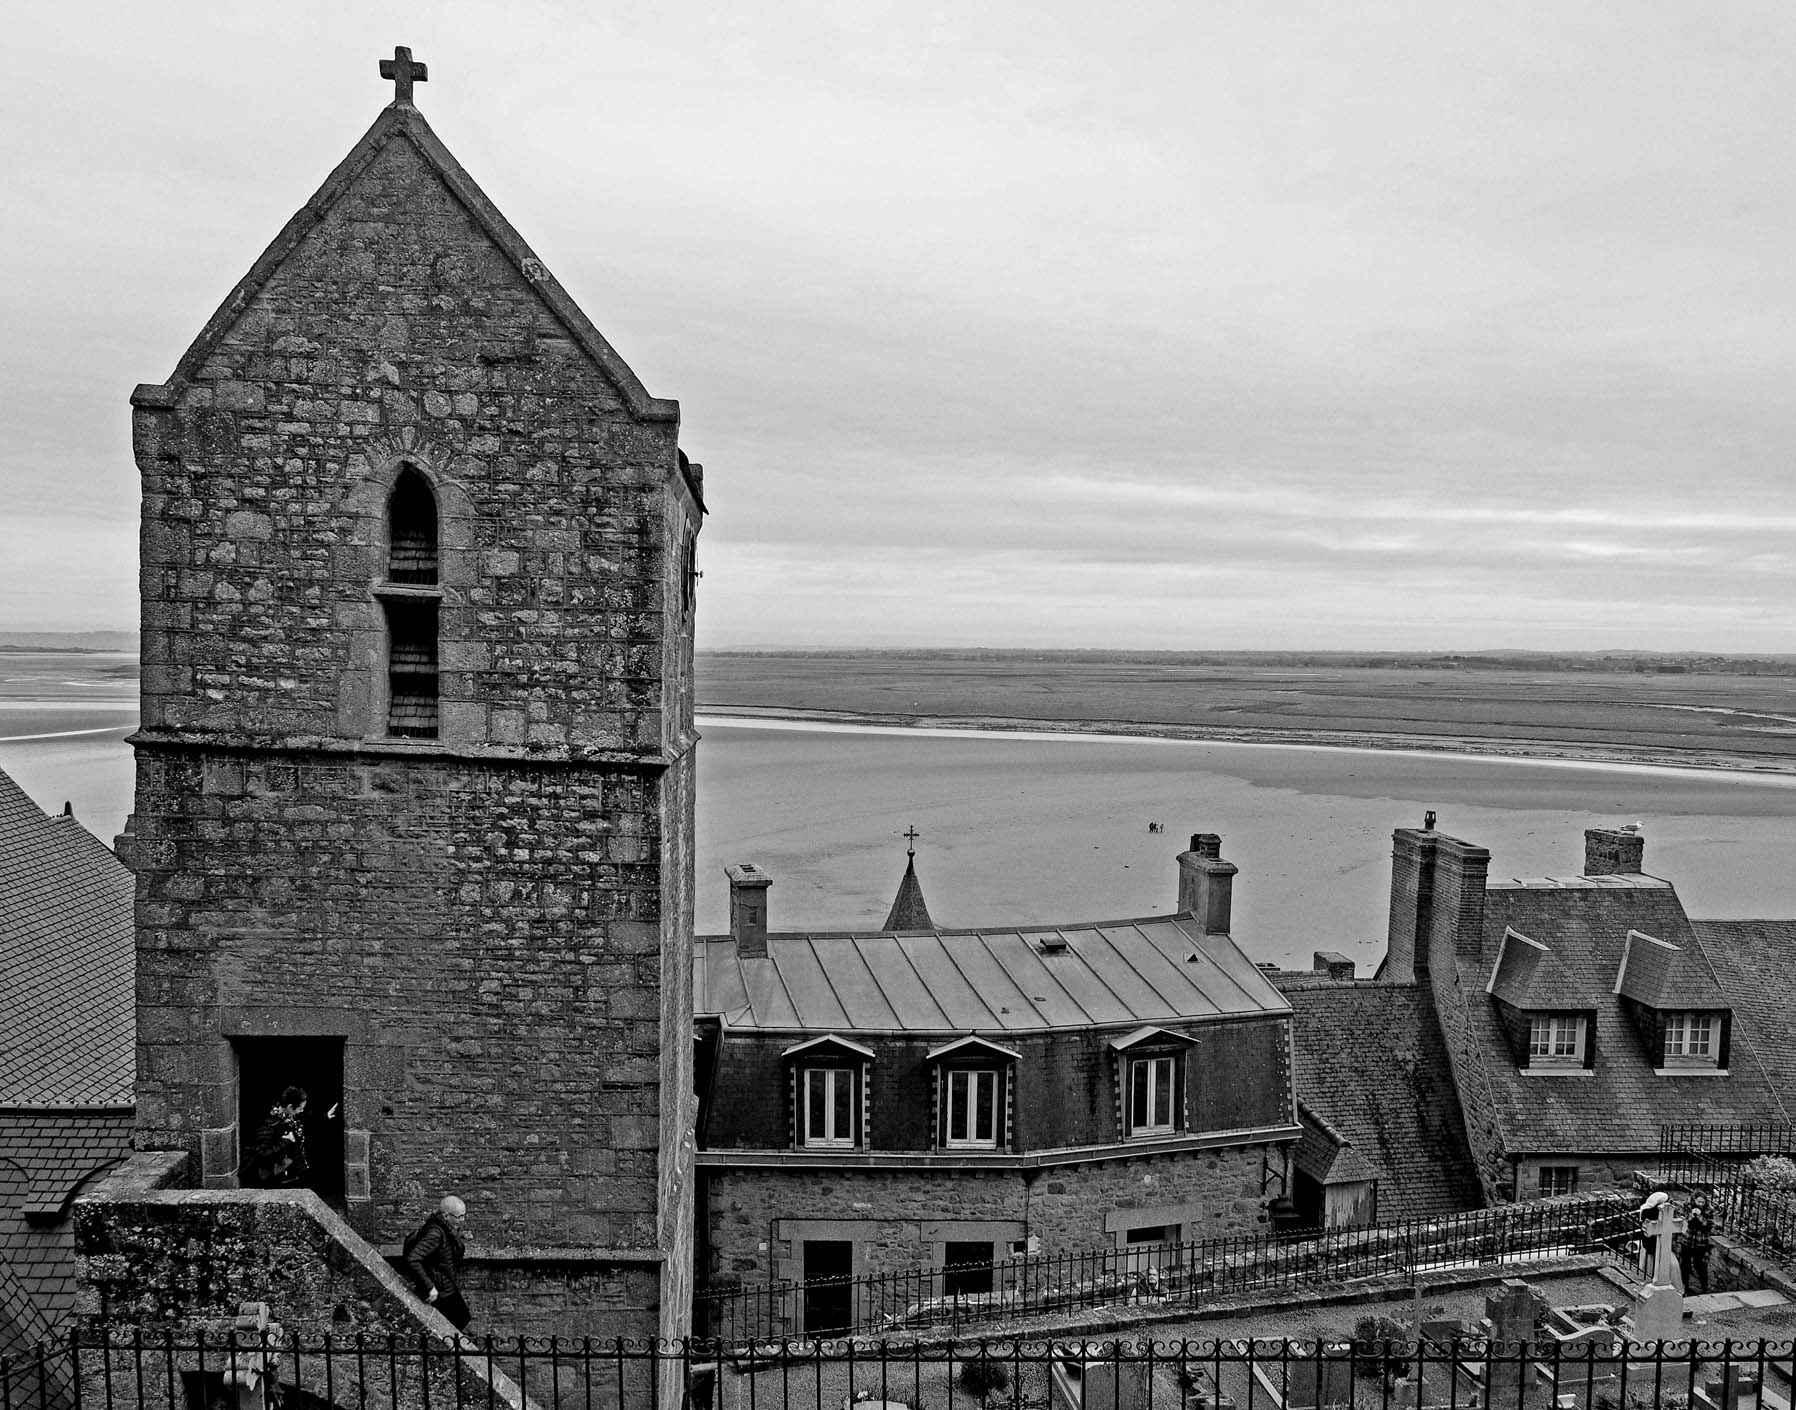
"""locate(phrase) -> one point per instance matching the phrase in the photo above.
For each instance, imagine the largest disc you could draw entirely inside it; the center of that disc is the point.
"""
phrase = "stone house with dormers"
(1580, 1012)
(945, 1099)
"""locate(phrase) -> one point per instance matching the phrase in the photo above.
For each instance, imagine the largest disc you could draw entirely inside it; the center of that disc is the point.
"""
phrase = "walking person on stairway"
(433, 1257)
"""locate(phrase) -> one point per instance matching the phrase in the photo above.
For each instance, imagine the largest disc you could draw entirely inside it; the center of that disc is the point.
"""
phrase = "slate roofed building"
(1384, 1136)
(944, 1099)
(1582, 1012)
(66, 1058)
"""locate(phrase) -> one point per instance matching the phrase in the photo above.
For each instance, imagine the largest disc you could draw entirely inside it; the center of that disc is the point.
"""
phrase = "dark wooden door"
(828, 1295)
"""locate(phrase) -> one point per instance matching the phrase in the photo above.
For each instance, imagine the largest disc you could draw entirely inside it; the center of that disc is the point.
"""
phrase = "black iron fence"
(1750, 1202)
(956, 1297)
(1682, 1144)
(1583, 1368)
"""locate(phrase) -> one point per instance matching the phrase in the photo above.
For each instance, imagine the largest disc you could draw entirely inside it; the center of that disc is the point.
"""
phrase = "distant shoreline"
(1354, 741)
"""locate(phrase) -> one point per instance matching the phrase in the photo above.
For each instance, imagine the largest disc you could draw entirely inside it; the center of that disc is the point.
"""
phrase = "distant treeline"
(1641, 662)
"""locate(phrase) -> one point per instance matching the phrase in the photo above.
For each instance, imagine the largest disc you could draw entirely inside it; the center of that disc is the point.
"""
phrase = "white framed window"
(1690, 1035)
(1692, 1040)
(1558, 1180)
(1556, 1040)
(1152, 1095)
(973, 1115)
(826, 1099)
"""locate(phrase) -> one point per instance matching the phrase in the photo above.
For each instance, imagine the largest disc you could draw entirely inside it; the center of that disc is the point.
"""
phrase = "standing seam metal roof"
(1111, 974)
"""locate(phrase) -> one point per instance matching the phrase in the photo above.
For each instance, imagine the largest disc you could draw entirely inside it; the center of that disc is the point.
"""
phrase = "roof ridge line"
(395, 120)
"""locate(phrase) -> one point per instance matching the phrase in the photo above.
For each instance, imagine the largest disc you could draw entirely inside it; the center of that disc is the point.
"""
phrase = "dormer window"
(1151, 1077)
(975, 1087)
(972, 1115)
(1692, 1041)
(1153, 1090)
(1532, 990)
(1671, 996)
(829, 1107)
(829, 1084)
(1556, 1040)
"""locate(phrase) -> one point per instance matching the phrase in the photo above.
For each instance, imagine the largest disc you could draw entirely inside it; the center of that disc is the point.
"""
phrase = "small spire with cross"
(404, 74)
(912, 835)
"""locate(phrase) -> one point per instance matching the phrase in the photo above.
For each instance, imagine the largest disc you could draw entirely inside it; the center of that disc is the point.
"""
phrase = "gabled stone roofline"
(1637, 881)
(403, 120)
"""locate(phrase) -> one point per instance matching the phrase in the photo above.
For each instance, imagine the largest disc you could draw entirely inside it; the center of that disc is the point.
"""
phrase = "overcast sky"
(1174, 325)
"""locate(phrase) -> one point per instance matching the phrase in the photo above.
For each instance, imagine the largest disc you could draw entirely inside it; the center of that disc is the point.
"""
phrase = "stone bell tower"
(414, 812)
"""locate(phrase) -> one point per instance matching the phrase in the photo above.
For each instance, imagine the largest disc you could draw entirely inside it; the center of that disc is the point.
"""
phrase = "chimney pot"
(748, 909)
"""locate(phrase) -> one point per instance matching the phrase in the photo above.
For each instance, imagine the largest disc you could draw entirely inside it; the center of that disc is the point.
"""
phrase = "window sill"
(1690, 1072)
(1557, 1071)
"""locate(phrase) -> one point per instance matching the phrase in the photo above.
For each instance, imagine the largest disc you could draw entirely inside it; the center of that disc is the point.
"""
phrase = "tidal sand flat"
(1024, 830)
(64, 717)
(1020, 829)
(1586, 707)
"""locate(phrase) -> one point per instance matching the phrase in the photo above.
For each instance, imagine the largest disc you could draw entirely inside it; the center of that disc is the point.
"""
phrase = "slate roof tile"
(1755, 964)
(1369, 1059)
(46, 1155)
(67, 957)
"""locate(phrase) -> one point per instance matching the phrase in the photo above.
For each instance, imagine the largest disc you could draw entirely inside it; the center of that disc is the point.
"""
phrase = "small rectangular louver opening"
(412, 669)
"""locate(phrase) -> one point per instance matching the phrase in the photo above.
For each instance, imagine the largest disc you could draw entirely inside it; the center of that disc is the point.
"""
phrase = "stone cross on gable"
(404, 73)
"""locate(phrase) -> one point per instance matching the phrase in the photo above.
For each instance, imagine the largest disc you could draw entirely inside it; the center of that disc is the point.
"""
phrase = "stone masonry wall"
(398, 330)
(496, 921)
(896, 1218)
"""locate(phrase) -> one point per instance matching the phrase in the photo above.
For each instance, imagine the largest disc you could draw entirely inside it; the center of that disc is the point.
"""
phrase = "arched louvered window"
(412, 612)
(411, 531)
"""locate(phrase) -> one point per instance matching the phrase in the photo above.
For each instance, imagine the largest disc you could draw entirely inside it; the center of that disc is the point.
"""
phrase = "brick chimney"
(1460, 873)
(1206, 883)
(1437, 901)
(1412, 903)
(1332, 963)
(748, 909)
(1613, 851)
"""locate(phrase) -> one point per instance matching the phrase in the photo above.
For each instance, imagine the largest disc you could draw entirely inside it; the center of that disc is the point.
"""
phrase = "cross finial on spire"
(404, 73)
(913, 835)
